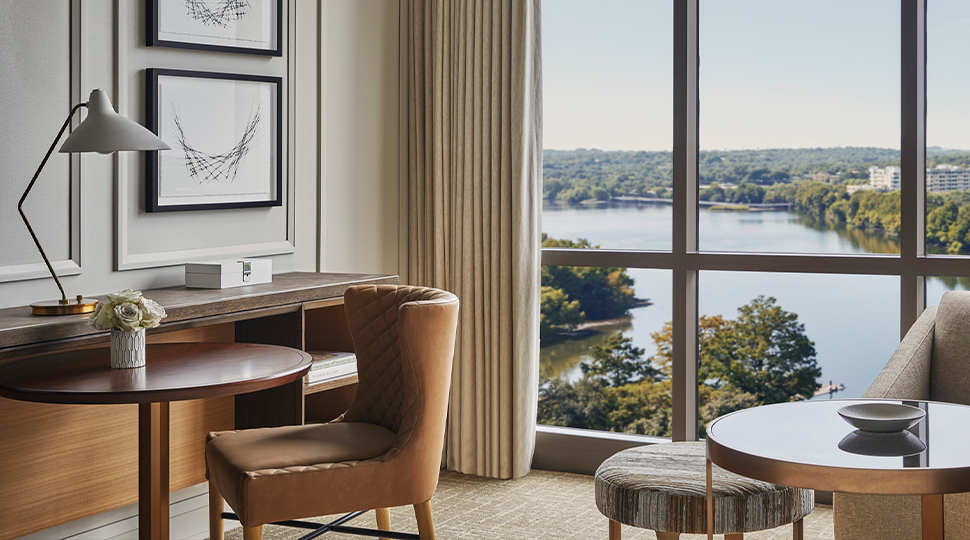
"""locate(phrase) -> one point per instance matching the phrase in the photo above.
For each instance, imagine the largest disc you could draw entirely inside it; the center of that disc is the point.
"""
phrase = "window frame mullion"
(912, 242)
(685, 216)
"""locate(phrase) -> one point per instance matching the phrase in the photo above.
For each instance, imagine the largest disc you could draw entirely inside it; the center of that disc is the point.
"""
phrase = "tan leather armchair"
(384, 451)
(932, 362)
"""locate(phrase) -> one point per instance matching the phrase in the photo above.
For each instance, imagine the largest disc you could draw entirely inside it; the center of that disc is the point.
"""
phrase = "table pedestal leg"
(932, 511)
(710, 501)
(153, 487)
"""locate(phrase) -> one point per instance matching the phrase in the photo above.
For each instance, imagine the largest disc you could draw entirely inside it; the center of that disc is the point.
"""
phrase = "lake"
(853, 320)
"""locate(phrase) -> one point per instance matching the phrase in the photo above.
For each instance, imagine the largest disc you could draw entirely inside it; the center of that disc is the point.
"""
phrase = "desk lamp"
(103, 131)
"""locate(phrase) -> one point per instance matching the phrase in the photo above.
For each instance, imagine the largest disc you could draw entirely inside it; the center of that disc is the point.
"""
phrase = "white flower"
(103, 317)
(128, 316)
(124, 296)
(151, 313)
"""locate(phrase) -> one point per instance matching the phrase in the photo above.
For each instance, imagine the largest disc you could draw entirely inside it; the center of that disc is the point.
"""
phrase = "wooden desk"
(44, 446)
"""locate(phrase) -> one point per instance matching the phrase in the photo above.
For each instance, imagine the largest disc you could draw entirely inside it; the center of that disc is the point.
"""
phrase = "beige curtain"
(474, 140)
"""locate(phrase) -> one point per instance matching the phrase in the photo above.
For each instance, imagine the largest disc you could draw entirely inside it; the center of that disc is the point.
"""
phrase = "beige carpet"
(542, 505)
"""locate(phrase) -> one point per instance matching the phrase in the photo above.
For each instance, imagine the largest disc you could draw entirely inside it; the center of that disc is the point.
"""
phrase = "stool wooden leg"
(253, 533)
(383, 519)
(422, 511)
(614, 530)
(667, 536)
(216, 506)
(798, 530)
(736, 536)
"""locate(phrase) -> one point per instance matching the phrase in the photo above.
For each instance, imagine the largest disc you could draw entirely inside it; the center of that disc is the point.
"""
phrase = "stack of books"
(328, 366)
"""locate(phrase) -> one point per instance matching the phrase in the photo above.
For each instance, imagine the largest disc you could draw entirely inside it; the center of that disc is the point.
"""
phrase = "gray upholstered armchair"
(932, 362)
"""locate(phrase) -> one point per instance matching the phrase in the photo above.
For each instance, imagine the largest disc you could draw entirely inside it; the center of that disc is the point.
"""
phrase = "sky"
(774, 74)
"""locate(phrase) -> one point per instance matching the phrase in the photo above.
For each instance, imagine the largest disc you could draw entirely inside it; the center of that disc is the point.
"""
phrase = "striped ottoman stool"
(664, 487)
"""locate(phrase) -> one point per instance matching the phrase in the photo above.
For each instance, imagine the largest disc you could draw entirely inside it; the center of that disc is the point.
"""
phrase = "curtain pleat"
(474, 142)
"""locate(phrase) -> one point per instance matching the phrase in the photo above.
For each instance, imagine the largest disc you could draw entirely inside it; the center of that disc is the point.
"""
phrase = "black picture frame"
(152, 115)
(153, 39)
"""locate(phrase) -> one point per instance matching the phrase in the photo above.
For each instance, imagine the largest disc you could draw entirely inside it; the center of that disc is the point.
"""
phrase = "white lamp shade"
(105, 131)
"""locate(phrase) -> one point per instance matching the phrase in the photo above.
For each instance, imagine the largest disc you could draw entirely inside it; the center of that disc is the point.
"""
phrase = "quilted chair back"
(404, 338)
(950, 366)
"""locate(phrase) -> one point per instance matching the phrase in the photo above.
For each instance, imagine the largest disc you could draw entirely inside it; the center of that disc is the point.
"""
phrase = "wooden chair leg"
(667, 536)
(383, 520)
(736, 536)
(253, 533)
(614, 530)
(216, 507)
(798, 530)
(422, 511)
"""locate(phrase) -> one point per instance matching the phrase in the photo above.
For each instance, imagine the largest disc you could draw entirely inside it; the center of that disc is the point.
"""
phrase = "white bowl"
(881, 417)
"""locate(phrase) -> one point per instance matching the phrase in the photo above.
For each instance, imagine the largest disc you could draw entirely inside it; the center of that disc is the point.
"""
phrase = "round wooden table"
(173, 372)
(808, 445)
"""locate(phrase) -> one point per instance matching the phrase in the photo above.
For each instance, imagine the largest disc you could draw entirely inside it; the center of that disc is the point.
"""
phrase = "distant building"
(861, 187)
(884, 178)
(947, 178)
(826, 177)
(938, 179)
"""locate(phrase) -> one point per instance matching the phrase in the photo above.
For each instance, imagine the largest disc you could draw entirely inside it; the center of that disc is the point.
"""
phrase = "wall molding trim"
(71, 266)
(124, 259)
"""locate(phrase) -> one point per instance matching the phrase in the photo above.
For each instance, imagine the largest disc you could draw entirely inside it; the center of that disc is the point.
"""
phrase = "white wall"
(361, 142)
(342, 67)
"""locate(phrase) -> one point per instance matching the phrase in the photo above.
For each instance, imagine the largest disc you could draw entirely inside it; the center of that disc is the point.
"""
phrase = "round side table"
(173, 372)
(808, 445)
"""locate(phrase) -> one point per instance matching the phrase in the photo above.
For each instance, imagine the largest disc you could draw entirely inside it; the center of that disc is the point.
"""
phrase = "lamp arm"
(20, 205)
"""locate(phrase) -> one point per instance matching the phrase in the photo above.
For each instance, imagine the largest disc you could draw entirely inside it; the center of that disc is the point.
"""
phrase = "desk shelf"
(329, 385)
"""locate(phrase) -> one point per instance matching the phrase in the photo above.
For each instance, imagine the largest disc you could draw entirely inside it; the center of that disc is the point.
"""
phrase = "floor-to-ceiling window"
(740, 204)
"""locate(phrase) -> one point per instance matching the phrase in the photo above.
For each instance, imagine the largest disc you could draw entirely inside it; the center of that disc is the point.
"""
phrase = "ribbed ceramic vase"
(127, 348)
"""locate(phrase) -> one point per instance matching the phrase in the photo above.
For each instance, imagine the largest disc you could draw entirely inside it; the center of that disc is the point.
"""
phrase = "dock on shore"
(829, 389)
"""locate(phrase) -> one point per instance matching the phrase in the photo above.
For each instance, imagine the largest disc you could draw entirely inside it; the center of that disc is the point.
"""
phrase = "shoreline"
(588, 327)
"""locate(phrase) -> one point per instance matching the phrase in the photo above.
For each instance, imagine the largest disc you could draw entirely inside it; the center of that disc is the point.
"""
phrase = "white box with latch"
(226, 274)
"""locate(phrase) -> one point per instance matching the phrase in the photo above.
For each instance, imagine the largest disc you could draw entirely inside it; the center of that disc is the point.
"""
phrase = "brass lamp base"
(55, 307)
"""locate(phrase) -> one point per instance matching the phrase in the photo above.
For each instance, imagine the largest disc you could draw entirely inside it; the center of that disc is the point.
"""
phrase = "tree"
(617, 392)
(557, 313)
(764, 352)
(763, 356)
(714, 193)
(959, 231)
(617, 362)
(748, 193)
(938, 222)
(602, 292)
(716, 403)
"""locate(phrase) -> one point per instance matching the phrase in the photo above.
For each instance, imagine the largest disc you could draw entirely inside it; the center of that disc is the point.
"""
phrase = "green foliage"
(602, 292)
(573, 176)
(720, 402)
(764, 352)
(763, 356)
(557, 313)
(765, 176)
(619, 363)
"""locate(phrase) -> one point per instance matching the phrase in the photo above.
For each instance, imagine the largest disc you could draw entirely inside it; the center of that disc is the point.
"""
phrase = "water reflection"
(867, 240)
(954, 283)
(562, 358)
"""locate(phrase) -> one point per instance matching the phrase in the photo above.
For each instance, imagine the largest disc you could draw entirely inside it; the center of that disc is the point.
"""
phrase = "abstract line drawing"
(222, 14)
(206, 168)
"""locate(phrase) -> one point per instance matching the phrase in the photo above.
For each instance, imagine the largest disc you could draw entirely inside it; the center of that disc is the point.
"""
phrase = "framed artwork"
(226, 135)
(238, 26)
